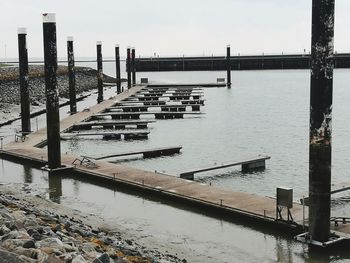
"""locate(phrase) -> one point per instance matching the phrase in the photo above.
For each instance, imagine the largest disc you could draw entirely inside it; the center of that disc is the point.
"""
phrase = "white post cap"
(49, 18)
(70, 38)
(22, 31)
(98, 42)
(116, 45)
(228, 45)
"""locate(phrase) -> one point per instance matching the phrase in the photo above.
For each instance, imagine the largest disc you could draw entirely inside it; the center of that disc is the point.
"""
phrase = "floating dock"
(235, 204)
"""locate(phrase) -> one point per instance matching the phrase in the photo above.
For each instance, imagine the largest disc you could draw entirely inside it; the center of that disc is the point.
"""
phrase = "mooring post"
(321, 93)
(228, 65)
(128, 66)
(99, 72)
(23, 79)
(133, 66)
(51, 90)
(117, 67)
(71, 76)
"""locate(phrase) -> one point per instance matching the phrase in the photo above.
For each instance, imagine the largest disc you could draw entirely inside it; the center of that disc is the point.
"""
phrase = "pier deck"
(223, 201)
(146, 153)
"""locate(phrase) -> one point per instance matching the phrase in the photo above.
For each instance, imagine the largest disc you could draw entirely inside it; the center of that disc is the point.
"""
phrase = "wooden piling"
(51, 90)
(99, 72)
(117, 67)
(133, 66)
(228, 65)
(23, 79)
(321, 93)
(128, 66)
(71, 76)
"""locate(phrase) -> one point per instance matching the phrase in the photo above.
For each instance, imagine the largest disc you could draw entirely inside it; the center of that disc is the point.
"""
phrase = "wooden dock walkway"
(255, 163)
(107, 135)
(149, 153)
(136, 115)
(221, 201)
(160, 102)
(112, 124)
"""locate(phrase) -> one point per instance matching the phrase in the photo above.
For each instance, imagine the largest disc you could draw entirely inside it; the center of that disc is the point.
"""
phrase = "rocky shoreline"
(33, 229)
(9, 87)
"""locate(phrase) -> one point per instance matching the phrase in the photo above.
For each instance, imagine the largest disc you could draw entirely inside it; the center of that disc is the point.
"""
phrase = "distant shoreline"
(86, 81)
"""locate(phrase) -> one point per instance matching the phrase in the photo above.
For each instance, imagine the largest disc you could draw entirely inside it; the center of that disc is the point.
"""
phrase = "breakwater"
(261, 62)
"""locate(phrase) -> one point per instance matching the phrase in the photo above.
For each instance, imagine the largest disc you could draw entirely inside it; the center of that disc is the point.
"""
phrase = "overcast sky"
(170, 27)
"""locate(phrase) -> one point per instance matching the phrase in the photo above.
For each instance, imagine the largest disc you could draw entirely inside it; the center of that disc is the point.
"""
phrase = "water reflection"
(55, 187)
(28, 174)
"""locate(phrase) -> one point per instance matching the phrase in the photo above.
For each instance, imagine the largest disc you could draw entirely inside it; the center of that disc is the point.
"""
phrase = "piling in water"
(133, 66)
(99, 72)
(71, 76)
(23, 79)
(321, 93)
(117, 67)
(51, 90)
(128, 66)
(228, 65)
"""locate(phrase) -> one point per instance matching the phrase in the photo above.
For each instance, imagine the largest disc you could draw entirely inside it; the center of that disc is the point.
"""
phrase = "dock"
(149, 153)
(251, 164)
(107, 135)
(143, 108)
(112, 124)
(221, 201)
(136, 115)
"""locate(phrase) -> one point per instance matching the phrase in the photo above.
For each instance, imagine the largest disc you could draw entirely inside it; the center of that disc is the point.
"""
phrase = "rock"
(20, 217)
(15, 235)
(78, 259)
(29, 244)
(11, 244)
(9, 257)
(4, 230)
(104, 258)
(51, 242)
(31, 222)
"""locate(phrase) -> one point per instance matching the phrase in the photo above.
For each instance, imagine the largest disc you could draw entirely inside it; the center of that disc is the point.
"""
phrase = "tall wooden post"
(128, 66)
(71, 76)
(23, 79)
(133, 66)
(51, 90)
(117, 67)
(321, 93)
(228, 65)
(99, 72)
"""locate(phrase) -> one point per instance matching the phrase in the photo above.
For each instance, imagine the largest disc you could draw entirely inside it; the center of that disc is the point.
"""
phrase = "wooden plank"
(190, 174)
(147, 153)
(77, 134)
(159, 102)
(143, 113)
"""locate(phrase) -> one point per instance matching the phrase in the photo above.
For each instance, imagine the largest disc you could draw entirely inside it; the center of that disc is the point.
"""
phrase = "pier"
(246, 62)
(150, 153)
(254, 208)
(256, 163)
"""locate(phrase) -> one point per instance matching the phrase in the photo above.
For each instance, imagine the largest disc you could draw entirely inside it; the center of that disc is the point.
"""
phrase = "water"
(265, 112)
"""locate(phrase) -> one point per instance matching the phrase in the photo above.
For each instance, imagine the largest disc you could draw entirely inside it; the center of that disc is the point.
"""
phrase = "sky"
(169, 27)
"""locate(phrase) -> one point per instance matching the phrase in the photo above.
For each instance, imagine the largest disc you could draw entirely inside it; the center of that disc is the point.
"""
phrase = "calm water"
(265, 113)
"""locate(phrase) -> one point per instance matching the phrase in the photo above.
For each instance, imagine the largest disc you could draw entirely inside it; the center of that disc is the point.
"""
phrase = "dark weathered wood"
(246, 164)
(71, 76)
(23, 79)
(111, 124)
(99, 72)
(107, 135)
(320, 137)
(51, 91)
(146, 153)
